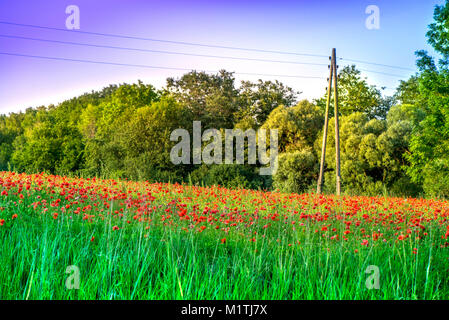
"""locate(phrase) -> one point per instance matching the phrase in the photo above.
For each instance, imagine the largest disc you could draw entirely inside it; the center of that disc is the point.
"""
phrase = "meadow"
(140, 240)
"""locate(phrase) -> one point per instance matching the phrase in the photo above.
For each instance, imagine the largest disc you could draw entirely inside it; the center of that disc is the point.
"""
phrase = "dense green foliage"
(356, 95)
(429, 145)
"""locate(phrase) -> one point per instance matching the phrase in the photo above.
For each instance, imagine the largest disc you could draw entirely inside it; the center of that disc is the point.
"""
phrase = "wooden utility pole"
(337, 126)
(326, 122)
(333, 74)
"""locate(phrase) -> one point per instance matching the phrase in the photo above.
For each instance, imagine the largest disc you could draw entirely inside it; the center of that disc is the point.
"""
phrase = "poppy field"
(140, 240)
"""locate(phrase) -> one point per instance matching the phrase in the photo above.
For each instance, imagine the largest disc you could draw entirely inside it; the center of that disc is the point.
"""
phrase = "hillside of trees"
(396, 144)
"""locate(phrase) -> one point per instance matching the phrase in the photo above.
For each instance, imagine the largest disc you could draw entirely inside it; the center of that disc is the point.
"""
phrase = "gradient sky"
(306, 26)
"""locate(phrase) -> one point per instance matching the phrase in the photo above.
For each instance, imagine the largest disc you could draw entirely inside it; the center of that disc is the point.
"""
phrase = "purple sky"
(295, 26)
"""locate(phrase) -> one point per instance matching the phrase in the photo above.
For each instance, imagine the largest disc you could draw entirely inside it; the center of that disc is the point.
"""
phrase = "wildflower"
(402, 237)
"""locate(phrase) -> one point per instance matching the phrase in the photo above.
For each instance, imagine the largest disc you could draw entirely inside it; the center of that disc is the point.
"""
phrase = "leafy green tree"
(429, 145)
(356, 95)
(438, 33)
(10, 129)
(359, 155)
(47, 145)
(373, 152)
(258, 100)
(211, 99)
(408, 92)
(100, 126)
(48, 139)
(297, 126)
(145, 141)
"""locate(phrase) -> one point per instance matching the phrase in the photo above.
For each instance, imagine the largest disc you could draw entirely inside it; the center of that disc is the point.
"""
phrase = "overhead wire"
(201, 44)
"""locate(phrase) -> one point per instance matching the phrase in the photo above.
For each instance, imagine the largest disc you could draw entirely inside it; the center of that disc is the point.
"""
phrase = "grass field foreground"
(138, 240)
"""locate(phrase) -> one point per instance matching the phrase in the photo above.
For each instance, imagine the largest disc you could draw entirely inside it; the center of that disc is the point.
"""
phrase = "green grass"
(167, 264)
(170, 259)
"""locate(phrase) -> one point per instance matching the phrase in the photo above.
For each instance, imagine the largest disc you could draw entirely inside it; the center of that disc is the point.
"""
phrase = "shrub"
(230, 176)
(296, 171)
(436, 179)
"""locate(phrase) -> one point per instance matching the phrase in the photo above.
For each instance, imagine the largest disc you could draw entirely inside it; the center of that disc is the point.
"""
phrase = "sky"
(308, 27)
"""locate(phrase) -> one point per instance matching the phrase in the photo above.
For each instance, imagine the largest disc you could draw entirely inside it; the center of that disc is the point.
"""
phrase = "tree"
(408, 92)
(145, 141)
(438, 33)
(429, 145)
(297, 171)
(372, 152)
(258, 100)
(47, 138)
(211, 99)
(10, 129)
(358, 153)
(47, 145)
(355, 95)
(394, 145)
(297, 126)
(100, 123)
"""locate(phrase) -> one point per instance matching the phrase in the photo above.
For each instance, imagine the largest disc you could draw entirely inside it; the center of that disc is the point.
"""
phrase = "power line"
(162, 40)
(199, 44)
(377, 64)
(160, 51)
(382, 73)
(151, 67)
(181, 53)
